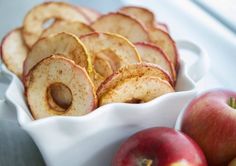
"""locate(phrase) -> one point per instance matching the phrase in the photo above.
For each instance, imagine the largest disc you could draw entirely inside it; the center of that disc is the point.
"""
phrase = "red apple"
(159, 146)
(210, 120)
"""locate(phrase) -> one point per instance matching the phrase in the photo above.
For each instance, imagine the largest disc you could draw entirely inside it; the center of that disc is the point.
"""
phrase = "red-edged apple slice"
(145, 16)
(62, 43)
(75, 27)
(36, 17)
(91, 14)
(153, 54)
(57, 70)
(109, 51)
(134, 83)
(166, 43)
(14, 51)
(121, 24)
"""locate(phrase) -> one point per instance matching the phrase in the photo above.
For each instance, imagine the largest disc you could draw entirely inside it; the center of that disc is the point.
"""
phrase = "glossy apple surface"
(159, 146)
(210, 120)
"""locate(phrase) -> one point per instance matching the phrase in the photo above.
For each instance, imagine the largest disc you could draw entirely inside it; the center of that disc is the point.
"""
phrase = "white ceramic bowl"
(92, 140)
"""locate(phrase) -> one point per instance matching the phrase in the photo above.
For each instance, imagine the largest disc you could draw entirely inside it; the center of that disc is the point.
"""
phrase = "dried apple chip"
(108, 53)
(145, 16)
(121, 24)
(36, 17)
(14, 51)
(150, 53)
(53, 71)
(134, 83)
(68, 45)
(163, 40)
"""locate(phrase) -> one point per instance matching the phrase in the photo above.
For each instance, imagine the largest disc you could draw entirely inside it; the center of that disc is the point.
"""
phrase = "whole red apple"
(159, 146)
(210, 120)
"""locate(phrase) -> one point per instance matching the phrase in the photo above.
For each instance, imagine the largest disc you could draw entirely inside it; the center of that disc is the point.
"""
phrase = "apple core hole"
(48, 23)
(102, 67)
(59, 97)
(106, 62)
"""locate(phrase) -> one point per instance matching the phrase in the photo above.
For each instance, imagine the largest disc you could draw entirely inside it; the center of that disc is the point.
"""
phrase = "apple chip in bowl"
(108, 53)
(135, 83)
(60, 71)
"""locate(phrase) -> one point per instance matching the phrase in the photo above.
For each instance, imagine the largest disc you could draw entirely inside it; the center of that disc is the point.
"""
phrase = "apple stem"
(146, 162)
(232, 102)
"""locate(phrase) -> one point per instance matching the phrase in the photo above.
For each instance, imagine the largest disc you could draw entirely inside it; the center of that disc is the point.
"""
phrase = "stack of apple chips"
(84, 59)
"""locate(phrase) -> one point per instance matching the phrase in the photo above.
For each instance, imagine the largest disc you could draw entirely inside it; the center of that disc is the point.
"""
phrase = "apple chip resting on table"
(85, 59)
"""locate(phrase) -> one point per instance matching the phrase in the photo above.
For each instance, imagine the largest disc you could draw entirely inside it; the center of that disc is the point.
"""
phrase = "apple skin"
(163, 146)
(211, 122)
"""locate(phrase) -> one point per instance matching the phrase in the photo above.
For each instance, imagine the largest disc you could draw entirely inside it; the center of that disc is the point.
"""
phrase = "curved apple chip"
(68, 45)
(145, 16)
(91, 14)
(36, 17)
(56, 70)
(163, 40)
(150, 53)
(121, 24)
(134, 83)
(109, 51)
(75, 27)
(14, 51)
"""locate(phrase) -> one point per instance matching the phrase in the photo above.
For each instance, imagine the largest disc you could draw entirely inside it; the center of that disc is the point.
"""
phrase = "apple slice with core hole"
(121, 24)
(145, 16)
(152, 54)
(75, 27)
(166, 43)
(53, 71)
(108, 53)
(36, 17)
(135, 83)
(14, 51)
(66, 45)
(62, 43)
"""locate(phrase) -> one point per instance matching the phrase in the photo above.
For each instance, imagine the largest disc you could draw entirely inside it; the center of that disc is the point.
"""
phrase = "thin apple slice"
(153, 54)
(75, 27)
(57, 70)
(91, 14)
(136, 90)
(163, 40)
(145, 16)
(121, 24)
(62, 43)
(36, 17)
(14, 52)
(112, 48)
(131, 83)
